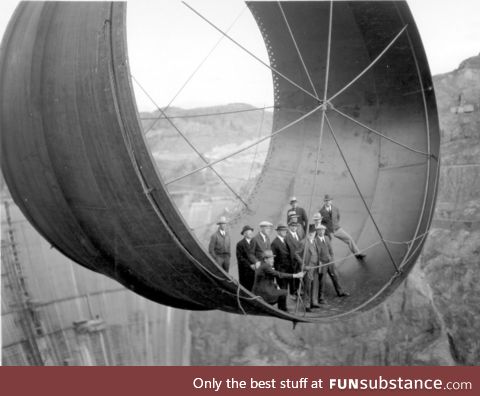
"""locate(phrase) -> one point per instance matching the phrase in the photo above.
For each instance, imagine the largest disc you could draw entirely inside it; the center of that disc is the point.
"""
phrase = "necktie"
(295, 236)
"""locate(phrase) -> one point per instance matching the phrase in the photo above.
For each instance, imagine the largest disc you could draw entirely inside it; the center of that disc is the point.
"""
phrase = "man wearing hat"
(283, 256)
(219, 246)
(325, 255)
(331, 219)
(264, 285)
(308, 250)
(293, 241)
(262, 239)
(300, 213)
(247, 262)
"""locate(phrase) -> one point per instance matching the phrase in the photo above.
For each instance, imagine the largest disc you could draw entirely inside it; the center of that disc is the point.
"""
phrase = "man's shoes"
(315, 306)
(308, 309)
(322, 301)
(343, 294)
(360, 256)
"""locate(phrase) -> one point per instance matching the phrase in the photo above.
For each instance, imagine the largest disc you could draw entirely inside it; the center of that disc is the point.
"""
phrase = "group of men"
(273, 269)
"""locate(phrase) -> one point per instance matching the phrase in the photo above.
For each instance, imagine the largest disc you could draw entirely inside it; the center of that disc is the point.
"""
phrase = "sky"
(167, 42)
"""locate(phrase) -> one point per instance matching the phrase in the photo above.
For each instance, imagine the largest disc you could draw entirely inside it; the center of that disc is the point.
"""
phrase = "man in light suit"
(326, 257)
(331, 220)
(219, 246)
(262, 239)
(247, 262)
(308, 250)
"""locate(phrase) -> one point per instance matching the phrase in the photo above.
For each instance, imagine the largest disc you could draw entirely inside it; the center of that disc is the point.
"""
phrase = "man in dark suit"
(301, 215)
(293, 241)
(219, 246)
(264, 285)
(283, 255)
(262, 239)
(246, 259)
(326, 256)
(331, 219)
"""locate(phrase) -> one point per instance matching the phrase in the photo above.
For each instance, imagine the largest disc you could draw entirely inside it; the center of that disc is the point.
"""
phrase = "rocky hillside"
(433, 318)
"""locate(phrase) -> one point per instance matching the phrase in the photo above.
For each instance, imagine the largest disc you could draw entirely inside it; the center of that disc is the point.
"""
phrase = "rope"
(246, 147)
(370, 65)
(208, 114)
(191, 144)
(296, 47)
(360, 193)
(196, 69)
(379, 134)
(252, 54)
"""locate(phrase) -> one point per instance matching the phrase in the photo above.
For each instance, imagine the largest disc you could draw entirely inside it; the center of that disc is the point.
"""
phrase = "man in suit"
(293, 241)
(308, 250)
(331, 219)
(283, 255)
(247, 262)
(219, 246)
(301, 215)
(262, 239)
(264, 285)
(326, 256)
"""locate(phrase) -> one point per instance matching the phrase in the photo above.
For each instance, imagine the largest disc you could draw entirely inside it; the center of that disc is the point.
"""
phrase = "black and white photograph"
(231, 183)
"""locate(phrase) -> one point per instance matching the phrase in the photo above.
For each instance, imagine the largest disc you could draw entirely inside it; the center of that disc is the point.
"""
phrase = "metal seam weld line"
(322, 125)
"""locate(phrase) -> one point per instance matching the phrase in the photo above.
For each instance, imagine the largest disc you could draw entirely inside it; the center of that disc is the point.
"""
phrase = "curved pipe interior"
(76, 162)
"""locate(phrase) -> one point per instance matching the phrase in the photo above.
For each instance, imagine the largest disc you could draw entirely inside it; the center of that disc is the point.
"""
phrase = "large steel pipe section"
(75, 160)
(395, 97)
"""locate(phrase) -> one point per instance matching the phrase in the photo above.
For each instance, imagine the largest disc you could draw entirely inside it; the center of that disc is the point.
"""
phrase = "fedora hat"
(281, 227)
(293, 199)
(246, 228)
(327, 197)
(222, 220)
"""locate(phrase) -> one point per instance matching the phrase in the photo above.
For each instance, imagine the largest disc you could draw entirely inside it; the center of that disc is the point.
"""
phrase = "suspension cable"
(378, 133)
(246, 147)
(322, 126)
(187, 140)
(196, 70)
(253, 55)
(370, 65)
(360, 193)
(207, 114)
(298, 49)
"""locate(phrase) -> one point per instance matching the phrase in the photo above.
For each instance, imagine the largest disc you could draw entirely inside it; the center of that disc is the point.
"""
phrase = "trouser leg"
(315, 286)
(282, 302)
(283, 283)
(335, 280)
(226, 263)
(346, 238)
(307, 285)
(321, 285)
